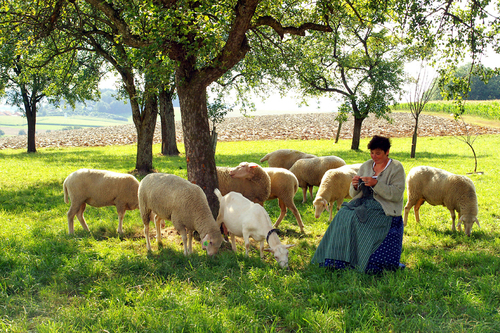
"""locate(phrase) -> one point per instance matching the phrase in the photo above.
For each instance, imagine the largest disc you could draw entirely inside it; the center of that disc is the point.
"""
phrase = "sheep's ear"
(327, 206)
(289, 246)
(477, 221)
(252, 165)
(204, 242)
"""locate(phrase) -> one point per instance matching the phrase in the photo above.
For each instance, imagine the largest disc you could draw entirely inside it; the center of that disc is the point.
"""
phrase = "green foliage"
(484, 109)
(90, 282)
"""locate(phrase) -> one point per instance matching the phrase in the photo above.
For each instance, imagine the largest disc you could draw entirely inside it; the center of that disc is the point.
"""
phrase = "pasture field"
(489, 109)
(98, 282)
(12, 125)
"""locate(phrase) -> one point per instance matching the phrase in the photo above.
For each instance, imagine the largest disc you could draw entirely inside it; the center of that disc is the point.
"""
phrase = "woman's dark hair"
(379, 142)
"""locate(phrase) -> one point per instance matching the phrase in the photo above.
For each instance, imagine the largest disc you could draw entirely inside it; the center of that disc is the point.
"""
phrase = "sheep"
(249, 179)
(284, 185)
(185, 204)
(246, 219)
(334, 187)
(309, 171)
(284, 158)
(99, 188)
(440, 187)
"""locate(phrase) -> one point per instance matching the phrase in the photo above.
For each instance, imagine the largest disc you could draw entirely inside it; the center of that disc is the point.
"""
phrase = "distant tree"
(420, 93)
(34, 69)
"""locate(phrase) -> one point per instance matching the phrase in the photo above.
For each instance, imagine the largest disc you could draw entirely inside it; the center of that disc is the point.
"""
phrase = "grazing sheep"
(185, 204)
(440, 187)
(246, 219)
(284, 158)
(334, 187)
(99, 188)
(309, 171)
(249, 179)
(284, 185)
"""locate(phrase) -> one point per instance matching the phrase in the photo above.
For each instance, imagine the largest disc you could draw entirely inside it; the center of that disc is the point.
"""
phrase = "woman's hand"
(369, 181)
(355, 182)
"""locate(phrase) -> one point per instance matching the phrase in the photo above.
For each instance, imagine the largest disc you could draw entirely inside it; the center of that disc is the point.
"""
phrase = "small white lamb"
(284, 158)
(440, 187)
(246, 219)
(99, 188)
(185, 204)
(310, 171)
(284, 185)
(249, 179)
(334, 187)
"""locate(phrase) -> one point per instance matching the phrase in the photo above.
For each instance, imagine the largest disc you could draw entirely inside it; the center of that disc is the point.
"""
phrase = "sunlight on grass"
(53, 282)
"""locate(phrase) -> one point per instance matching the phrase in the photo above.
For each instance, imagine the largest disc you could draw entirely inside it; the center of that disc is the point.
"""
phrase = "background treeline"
(108, 107)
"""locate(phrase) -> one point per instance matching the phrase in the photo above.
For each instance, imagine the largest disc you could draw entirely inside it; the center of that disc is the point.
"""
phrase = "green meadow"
(98, 282)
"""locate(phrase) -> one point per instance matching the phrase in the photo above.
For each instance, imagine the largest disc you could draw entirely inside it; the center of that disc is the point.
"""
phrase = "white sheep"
(284, 185)
(185, 204)
(249, 179)
(246, 219)
(284, 158)
(334, 187)
(440, 187)
(310, 171)
(99, 188)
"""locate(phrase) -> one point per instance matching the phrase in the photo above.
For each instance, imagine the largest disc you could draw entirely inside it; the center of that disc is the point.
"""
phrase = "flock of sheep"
(242, 193)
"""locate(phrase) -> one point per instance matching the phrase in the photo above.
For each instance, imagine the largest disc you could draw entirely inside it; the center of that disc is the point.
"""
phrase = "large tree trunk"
(167, 120)
(356, 133)
(414, 139)
(145, 134)
(200, 157)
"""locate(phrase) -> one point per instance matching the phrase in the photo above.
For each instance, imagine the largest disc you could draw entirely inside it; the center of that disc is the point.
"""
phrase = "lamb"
(99, 188)
(246, 219)
(284, 158)
(334, 187)
(284, 185)
(185, 204)
(249, 179)
(309, 171)
(440, 187)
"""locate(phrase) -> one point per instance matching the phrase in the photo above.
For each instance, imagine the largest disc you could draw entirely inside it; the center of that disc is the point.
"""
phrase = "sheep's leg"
(452, 212)
(407, 210)
(282, 212)
(145, 220)
(311, 192)
(80, 217)
(184, 240)
(71, 218)
(158, 230)
(416, 209)
(296, 213)
(121, 215)
(190, 241)
(459, 223)
(247, 244)
(304, 194)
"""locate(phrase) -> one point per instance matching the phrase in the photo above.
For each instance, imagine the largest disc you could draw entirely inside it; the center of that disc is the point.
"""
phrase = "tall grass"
(485, 109)
(98, 282)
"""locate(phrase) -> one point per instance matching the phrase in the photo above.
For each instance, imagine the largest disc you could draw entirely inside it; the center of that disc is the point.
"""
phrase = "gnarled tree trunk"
(167, 120)
(356, 133)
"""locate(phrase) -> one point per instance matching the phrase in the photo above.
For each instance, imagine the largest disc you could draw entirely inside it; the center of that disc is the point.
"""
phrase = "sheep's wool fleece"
(176, 199)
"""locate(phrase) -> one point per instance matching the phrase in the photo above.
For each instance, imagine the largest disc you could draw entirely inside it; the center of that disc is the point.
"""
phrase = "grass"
(98, 282)
(12, 125)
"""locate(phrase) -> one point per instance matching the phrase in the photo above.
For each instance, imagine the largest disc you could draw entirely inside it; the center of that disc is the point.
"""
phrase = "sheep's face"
(211, 244)
(244, 170)
(320, 205)
(468, 221)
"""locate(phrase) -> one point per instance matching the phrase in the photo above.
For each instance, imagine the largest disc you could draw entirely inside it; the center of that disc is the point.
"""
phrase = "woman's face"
(379, 156)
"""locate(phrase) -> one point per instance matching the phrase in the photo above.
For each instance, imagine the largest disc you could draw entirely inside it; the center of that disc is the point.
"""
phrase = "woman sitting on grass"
(367, 233)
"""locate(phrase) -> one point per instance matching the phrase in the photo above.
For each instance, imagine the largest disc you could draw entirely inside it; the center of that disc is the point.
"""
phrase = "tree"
(32, 70)
(361, 60)
(423, 89)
